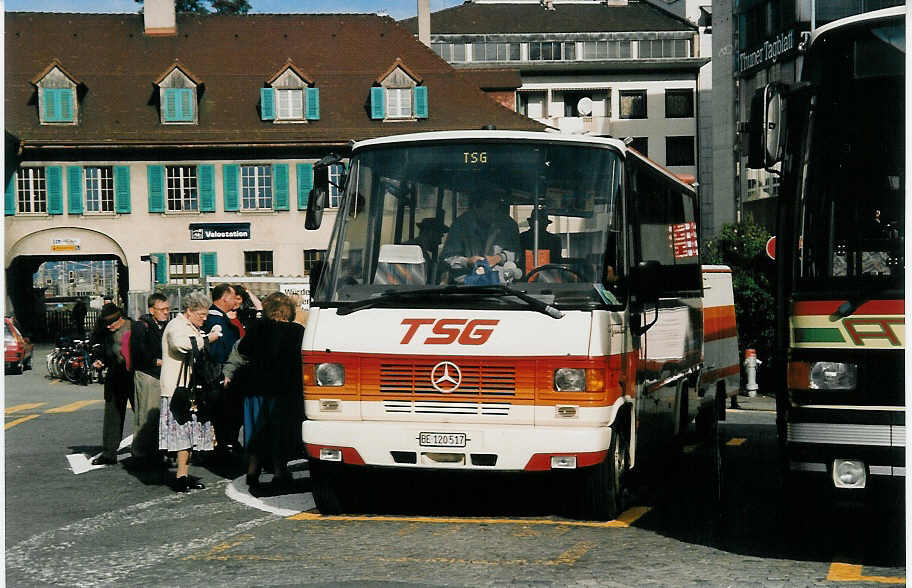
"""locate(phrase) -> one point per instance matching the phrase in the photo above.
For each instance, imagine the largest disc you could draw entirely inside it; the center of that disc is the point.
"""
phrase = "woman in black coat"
(267, 370)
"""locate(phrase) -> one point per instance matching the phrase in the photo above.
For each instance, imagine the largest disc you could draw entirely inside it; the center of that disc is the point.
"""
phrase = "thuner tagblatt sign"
(208, 231)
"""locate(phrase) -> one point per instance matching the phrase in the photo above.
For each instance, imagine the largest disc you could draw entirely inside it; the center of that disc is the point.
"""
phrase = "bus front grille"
(472, 379)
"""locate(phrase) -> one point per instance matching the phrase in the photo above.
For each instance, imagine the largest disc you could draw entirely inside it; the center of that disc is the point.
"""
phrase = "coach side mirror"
(766, 130)
(316, 201)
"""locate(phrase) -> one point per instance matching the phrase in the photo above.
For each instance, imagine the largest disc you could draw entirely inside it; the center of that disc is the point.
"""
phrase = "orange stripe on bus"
(719, 323)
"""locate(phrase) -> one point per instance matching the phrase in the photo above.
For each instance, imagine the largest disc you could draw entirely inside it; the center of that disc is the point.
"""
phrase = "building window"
(179, 105)
(679, 103)
(335, 180)
(258, 263)
(450, 51)
(632, 103)
(183, 194)
(532, 104)
(606, 49)
(641, 144)
(99, 189)
(679, 151)
(57, 105)
(311, 257)
(596, 104)
(183, 268)
(664, 48)
(551, 51)
(256, 187)
(290, 104)
(495, 52)
(398, 102)
(32, 190)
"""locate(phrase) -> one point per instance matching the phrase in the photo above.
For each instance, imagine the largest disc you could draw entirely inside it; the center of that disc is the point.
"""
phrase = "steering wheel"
(530, 276)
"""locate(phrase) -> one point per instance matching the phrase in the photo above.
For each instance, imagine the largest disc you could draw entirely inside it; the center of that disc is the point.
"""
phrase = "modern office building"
(621, 68)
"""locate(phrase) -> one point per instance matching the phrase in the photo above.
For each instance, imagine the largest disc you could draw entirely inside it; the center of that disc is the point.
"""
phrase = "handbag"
(181, 399)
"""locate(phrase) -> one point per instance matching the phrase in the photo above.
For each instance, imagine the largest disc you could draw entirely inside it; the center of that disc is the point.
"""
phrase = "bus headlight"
(330, 374)
(831, 375)
(570, 379)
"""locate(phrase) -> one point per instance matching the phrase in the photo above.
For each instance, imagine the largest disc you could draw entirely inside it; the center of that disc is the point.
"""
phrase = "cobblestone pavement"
(117, 526)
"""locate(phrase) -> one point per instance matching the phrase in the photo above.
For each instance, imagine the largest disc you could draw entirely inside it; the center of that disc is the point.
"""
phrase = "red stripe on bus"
(719, 323)
(828, 307)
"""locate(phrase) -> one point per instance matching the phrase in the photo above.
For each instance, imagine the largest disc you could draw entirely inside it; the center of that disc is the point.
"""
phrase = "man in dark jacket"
(227, 413)
(146, 354)
(118, 384)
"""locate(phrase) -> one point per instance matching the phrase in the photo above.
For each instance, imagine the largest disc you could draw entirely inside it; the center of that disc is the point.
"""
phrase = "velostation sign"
(780, 46)
(209, 231)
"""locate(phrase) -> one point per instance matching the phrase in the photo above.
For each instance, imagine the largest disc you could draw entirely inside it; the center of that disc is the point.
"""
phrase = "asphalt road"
(118, 526)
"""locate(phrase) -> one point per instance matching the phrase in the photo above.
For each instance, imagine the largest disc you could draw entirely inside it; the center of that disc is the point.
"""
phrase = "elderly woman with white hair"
(176, 345)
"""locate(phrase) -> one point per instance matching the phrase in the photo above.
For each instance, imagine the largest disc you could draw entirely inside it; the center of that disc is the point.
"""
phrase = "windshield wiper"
(493, 290)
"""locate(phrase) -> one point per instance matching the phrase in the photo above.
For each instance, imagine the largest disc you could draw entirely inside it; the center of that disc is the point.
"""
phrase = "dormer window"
(399, 95)
(178, 96)
(290, 97)
(57, 95)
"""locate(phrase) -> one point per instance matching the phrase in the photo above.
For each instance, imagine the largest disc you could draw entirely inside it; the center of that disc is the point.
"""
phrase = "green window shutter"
(208, 265)
(65, 103)
(305, 183)
(74, 187)
(122, 189)
(161, 268)
(421, 102)
(267, 104)
(230, 184)
(280, 186)
(156, 188)
(378, 109)
(186, 104)
(206, 188)
(11, 195)
(170, 105)
(50, 105)
(54, 176)
(313, 104)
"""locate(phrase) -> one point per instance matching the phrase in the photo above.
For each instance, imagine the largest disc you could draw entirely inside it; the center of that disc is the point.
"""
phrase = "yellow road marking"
(626, 519)
(73, 406)
(20, 420)
(219, 553)
(21, 407)
(736, 441)
(843, 572)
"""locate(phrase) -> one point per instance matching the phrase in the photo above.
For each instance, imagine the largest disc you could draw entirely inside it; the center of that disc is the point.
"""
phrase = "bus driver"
(485, 231)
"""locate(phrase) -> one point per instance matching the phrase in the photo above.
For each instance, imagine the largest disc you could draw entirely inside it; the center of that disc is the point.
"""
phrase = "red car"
(17, 349)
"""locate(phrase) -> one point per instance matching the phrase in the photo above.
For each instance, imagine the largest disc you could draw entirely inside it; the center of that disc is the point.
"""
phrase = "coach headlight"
(330, 374)
(570, 379)
(831, 375)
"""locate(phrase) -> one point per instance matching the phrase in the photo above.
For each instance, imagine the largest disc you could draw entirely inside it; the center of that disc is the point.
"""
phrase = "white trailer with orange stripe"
(721, 364)
(462, 356)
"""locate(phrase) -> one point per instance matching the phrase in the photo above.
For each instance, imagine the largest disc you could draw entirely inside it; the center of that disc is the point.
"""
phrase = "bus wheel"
(602, 497)
(325, 479)
(712, 441)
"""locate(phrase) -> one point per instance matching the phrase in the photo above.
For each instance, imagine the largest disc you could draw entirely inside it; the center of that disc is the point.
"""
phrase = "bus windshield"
(853, 204)
(435, 218)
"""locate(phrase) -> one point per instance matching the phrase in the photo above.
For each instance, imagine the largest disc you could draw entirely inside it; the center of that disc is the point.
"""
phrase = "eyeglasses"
(164, 308)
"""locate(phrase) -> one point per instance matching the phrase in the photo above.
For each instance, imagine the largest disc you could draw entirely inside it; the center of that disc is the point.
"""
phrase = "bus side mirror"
(646, 282)
(766, 132)
(316, 201)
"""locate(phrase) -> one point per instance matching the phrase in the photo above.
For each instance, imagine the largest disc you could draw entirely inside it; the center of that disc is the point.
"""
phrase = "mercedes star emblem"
(442, 377)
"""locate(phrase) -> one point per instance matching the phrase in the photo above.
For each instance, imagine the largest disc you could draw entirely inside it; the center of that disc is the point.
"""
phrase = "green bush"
(741, 246)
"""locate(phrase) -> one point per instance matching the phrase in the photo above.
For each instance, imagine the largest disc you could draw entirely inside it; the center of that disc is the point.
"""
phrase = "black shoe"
(253, 481)
(282, 483)
(195, 483)
(104, 460)
(182, 484)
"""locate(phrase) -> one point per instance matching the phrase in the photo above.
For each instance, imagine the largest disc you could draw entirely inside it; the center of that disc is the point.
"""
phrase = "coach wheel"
(325, 479)
(602, 496)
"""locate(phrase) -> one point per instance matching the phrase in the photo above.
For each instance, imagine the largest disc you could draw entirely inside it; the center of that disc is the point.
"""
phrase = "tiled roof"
(494, 78)
(233, 57)
(511, 18)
